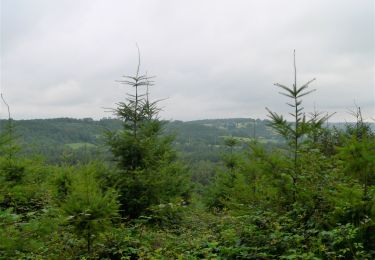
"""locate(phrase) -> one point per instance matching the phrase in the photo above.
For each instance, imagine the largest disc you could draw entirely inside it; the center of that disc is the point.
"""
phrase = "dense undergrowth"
(310, 199)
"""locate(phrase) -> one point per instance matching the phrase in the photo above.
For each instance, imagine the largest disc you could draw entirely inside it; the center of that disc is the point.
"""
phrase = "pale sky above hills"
(212, 59)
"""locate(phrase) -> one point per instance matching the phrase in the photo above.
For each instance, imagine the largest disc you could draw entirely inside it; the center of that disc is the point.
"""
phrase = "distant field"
(248, 139)
(80, 145)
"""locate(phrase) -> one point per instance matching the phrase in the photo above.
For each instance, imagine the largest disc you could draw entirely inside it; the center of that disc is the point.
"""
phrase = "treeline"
(78, 140)
(309, 195)
(62, 131)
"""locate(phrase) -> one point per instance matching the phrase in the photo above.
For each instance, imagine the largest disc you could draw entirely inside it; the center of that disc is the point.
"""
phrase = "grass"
(261, 140)
(80, 145)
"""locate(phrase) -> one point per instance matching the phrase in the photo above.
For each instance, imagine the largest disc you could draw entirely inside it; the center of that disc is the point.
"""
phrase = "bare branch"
(2, 97)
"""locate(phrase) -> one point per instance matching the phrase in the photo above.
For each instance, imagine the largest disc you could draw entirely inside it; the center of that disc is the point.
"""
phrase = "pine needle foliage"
(301, 127)
(9, 149)
(88, 209)
(137, 108)
(146, 161)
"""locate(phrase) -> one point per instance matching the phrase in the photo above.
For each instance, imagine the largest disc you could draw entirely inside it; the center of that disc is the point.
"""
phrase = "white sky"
(212, 59)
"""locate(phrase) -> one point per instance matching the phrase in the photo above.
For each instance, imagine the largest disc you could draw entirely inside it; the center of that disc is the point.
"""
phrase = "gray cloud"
(212, 59)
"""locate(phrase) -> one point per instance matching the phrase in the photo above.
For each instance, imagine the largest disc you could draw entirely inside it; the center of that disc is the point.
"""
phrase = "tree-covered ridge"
(82, 139)
(194, 139)
(61, 131)
(70, 130)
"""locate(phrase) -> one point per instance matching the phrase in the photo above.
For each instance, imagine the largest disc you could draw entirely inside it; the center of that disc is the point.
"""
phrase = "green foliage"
(202, 172)
(88, 209)
(303, 202)
(297, 133)
(358, 152)
(8, 140)
(253, 196)
(25, 208)
(28, 192)
(223, 186)
(148, 171)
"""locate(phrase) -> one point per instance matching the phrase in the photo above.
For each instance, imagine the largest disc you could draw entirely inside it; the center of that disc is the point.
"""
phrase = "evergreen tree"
(11, 167)
(300, 128)
(358, 156)
(148, 171)
(88, 209)
(222, 190)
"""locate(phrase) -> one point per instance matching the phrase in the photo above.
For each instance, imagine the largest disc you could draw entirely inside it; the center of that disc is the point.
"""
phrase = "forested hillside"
(195, 140)
(62, 131)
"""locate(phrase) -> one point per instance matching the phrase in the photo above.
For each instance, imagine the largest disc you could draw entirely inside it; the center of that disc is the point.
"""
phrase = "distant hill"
(199, 139)
(62, 131)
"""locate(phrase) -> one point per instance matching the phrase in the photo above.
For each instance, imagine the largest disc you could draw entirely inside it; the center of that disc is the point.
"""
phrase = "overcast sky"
(212, 59)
